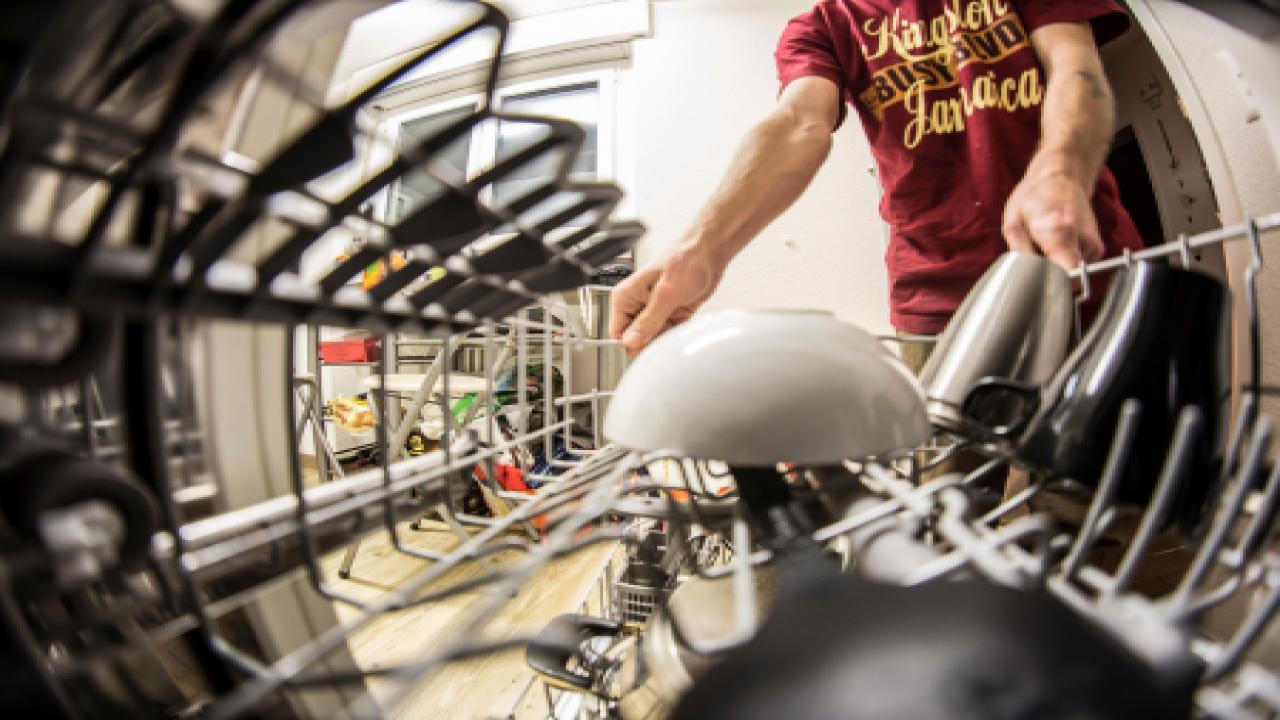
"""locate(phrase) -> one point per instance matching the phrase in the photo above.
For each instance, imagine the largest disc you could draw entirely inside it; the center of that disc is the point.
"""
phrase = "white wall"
(694, 88)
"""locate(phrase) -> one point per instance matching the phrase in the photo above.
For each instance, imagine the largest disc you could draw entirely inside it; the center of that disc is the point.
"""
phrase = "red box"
(349, 351)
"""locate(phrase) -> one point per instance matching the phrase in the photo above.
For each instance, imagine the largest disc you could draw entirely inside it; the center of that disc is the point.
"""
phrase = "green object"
(466, 402)
(506, 392)
(534, 377)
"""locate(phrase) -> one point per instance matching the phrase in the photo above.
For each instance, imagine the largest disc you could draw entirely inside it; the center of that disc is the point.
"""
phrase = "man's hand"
(1051, 213)
(660, 297)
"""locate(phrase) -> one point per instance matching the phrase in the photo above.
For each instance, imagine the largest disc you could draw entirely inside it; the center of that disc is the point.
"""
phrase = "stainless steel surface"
(1014, 324)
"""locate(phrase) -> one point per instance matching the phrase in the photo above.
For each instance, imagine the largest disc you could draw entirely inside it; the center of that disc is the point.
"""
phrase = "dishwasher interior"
(182, 536)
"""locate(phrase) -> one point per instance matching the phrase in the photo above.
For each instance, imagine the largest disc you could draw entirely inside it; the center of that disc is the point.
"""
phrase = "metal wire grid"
(581, 498)
(1034, 552)
(1003, 553)
(248, 547)
(1236, 558)
(177, 259)
(161, 221)
(1234, 687)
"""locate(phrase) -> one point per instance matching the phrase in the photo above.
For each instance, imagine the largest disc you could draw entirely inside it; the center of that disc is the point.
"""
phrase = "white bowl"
(755, 388)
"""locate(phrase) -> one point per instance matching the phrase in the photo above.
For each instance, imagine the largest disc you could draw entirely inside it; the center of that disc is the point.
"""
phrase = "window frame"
(484, 138)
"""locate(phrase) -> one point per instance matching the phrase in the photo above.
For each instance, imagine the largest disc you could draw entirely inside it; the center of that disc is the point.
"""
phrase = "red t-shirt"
(949, 93)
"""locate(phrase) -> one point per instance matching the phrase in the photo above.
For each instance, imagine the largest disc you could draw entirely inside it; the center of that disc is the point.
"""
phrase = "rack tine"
(596, 501)
(1228, 514)
(386, 457)
(1126, 434)
(1245, 420)
(1008, 506)
(983, 470)
(1255, 320)
(1086, 289)
(945, 454)
(312, 151)
(1184, 250)
(1086, 292)
(195, 79)
(744, 596)
(674, 508)
(1190, 421)
(1260, 524)
(210, 649)
(248, 694)
(315, 574)
(1252, 231)
(291, 249)
(1249, 633)
(567, 349)
(296, 162)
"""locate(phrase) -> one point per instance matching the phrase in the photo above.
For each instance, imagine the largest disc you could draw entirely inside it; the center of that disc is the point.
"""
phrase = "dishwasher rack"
(1236, 561)
(137, 262)
(99, 612)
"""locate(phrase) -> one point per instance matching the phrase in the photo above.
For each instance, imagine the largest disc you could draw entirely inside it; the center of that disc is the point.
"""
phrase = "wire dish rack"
(164, 552)
(159, 523)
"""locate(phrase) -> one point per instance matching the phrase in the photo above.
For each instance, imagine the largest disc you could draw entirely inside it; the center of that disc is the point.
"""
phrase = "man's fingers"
(1052, 235)
(1059, 240)
(622, 309)
(651, 321)
(627, 300)
(1091, 245)
(1049, 214)
(1064, 255)
(1017, 237)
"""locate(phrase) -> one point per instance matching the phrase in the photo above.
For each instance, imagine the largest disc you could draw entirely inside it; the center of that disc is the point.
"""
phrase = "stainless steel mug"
(1015, 324)
(1163, 338)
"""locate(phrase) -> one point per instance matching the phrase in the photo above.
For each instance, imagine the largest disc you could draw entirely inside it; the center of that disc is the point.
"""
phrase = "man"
(989, 120)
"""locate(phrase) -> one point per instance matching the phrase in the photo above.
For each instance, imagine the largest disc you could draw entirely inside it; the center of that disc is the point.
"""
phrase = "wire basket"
(171, 266)
(637, 592)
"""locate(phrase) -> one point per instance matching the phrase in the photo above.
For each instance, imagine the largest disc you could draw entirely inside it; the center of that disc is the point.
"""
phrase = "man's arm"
(1050, 209)
(773, 165)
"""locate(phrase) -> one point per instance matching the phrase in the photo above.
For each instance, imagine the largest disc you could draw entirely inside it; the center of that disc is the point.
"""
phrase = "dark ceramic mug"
(1163, 338)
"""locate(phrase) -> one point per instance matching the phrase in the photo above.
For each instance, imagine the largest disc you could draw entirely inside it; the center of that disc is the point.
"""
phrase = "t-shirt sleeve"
(1109, 20)
(806, 50)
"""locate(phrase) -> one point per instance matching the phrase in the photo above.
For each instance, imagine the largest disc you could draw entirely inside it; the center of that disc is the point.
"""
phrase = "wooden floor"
(482, 688)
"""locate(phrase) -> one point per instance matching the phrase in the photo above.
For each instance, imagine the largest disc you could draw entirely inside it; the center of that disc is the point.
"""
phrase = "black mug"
(1163, 338)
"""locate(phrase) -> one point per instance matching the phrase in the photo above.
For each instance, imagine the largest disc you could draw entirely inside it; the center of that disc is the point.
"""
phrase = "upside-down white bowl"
(755, 388)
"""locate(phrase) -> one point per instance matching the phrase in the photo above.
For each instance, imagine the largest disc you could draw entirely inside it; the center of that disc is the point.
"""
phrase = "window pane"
(579, 103)
(418, 186)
